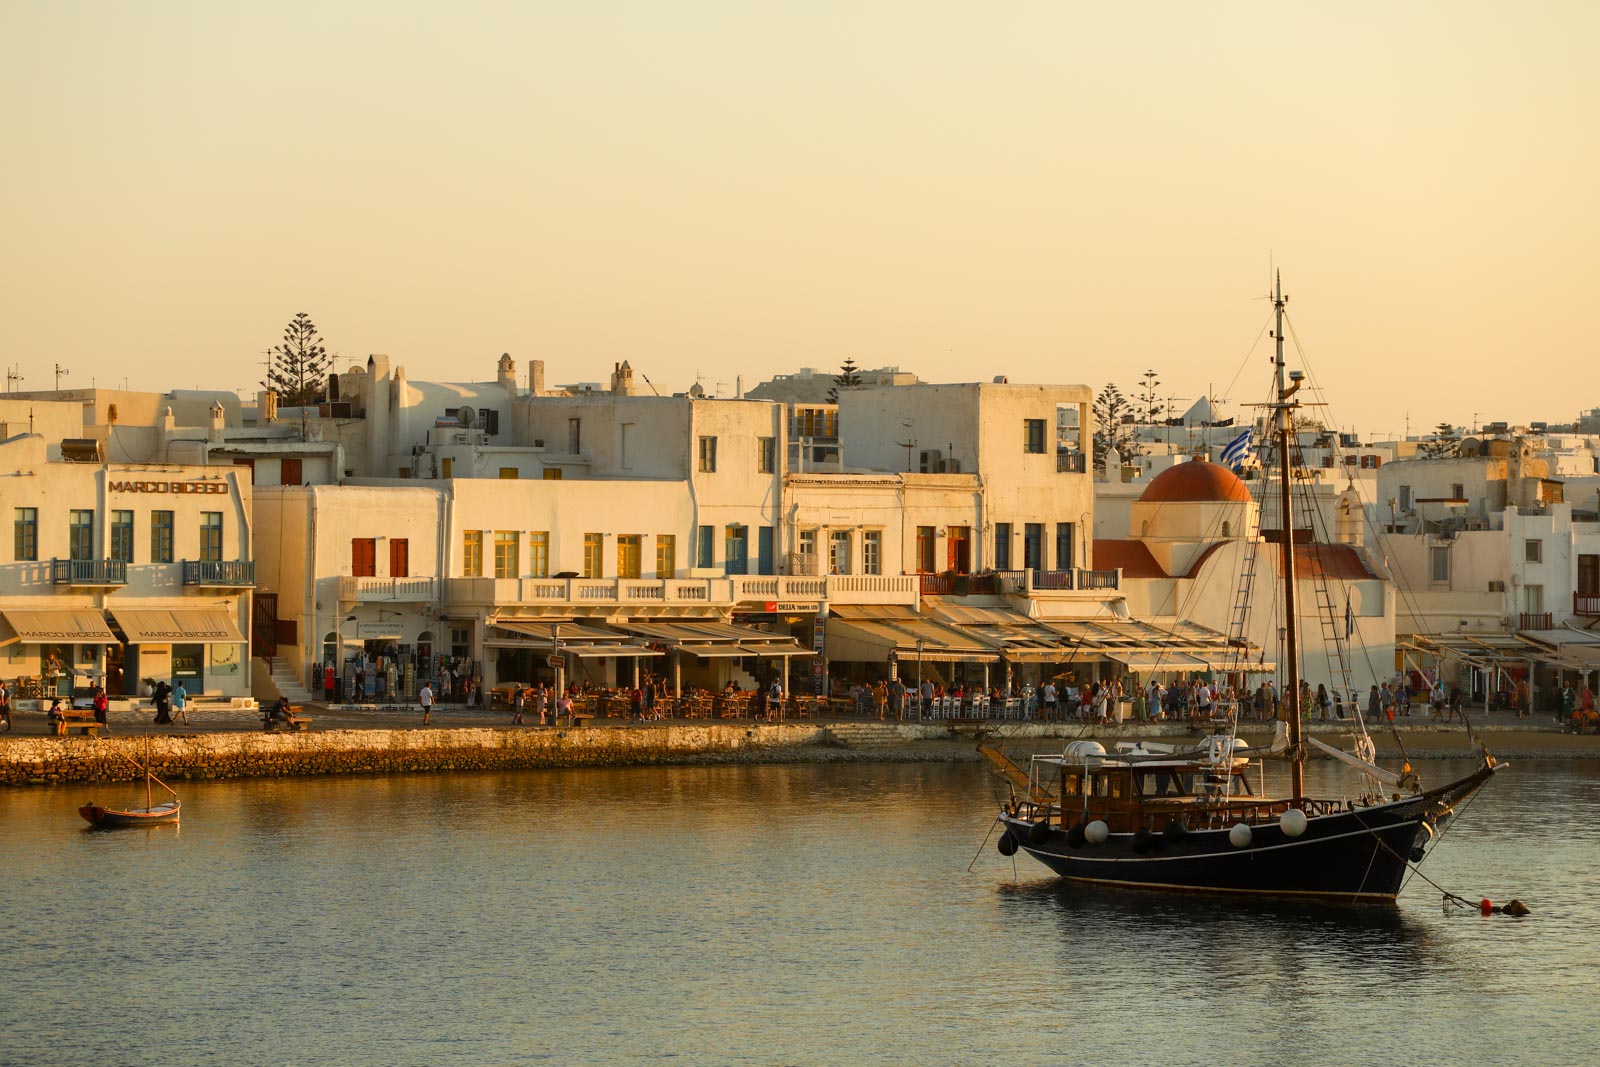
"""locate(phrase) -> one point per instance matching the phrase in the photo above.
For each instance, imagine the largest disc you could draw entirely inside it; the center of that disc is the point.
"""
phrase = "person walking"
(880, 699)
(328, 682)
(5, 705)
(1050, 701)
(518, 701)
(180, 698)
(897, 698)
(102, 708)
(1323, 702)
(425, 698)
(163, 698)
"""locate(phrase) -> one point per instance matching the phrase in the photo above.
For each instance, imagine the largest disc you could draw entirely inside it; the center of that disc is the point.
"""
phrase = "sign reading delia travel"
(170, 487)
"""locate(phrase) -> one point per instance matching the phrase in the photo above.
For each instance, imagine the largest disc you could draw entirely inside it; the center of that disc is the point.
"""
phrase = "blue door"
(737, 553)
(764, 551)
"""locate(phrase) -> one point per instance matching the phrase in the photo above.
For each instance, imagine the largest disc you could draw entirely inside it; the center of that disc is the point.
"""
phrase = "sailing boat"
(1163, 817)
(152, 814)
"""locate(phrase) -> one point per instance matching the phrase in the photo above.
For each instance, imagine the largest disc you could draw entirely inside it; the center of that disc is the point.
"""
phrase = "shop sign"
(377, 631)
(783, 607)
(208, 488)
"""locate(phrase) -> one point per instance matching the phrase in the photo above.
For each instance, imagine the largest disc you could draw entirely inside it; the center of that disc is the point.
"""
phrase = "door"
(399, 557)
(1033, 546)
(264, 626)
(1587, 600)
(737, 545)
(764, 551)
(958, 554)
(290, 471)
(1065, 542)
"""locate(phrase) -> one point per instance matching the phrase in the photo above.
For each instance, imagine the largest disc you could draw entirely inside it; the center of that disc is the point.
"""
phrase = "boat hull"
(1359, 855)
(103, 818)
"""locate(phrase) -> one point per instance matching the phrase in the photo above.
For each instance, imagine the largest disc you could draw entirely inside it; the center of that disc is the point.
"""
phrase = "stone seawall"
(44, 760)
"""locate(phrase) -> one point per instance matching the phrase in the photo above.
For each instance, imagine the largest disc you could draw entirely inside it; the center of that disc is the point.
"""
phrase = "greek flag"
(1236, 451)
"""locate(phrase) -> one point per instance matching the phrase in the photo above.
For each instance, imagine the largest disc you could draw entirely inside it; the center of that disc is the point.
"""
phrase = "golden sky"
(1060, 192)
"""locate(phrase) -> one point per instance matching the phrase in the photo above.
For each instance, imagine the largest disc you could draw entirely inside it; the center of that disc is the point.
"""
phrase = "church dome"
(1197, 481)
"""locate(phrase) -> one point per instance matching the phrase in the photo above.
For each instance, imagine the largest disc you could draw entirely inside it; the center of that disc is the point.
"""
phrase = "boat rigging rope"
(1512, 907)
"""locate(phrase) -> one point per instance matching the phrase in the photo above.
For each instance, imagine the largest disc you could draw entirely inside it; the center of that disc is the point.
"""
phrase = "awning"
(1017, 637)
(1563, 649)
(191, 626)
(48, 626)
(584, 642)
(870, 634)
(710, 639)
(1161, 644)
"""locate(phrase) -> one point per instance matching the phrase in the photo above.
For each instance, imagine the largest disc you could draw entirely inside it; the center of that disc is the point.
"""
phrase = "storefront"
(53, 652)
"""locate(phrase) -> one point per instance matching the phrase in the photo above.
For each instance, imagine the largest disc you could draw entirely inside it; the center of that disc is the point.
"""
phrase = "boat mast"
(1284, 413)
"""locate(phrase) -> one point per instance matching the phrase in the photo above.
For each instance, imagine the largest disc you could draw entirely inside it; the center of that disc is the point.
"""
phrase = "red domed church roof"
(1195, 481)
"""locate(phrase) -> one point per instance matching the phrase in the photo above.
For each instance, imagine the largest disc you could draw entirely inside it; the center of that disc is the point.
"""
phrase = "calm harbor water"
(751, 914)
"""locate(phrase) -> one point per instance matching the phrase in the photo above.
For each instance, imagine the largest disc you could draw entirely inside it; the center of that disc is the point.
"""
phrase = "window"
(1440, 556)
(506, 564)
(211, 536)
(925, 549)
(1002, 546)
(708, 455)
(1033, 546)
(399, 557)
(1405, 498)
(839, 552)
(1533, 550)
(1033, 435)
(628, 552)
(539, 554)
(81, 544)
(1533, 599)
(552, 474)
(736, 549)
(161, 537)
(958, 549)
(1458, 491)
(574, 437)
(622, 445)
(704, 547)
(808, 552)
(446, 468)
(122, 536)
(766, 454)
(1066, 542)
(872, 552)
(508, 473)
(27, 534)
(666, 555)
(593, 546)
(472, 553)
(364, 557)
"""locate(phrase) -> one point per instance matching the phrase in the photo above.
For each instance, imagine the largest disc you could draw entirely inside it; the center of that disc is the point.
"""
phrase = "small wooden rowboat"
(152, 814)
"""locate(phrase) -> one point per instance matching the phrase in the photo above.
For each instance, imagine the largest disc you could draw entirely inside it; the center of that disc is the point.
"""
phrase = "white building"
(123, 572)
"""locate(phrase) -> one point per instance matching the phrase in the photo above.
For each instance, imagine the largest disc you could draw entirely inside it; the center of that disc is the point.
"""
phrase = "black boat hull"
(1358, 856)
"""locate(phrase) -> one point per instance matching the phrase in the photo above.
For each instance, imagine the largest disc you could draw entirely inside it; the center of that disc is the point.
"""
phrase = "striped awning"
(48, 626)
(184, 626)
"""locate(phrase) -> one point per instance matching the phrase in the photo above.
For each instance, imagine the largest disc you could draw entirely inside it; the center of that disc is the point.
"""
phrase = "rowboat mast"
(1283, 412)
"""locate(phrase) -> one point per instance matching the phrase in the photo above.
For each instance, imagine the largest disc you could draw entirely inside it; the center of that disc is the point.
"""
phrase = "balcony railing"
(220, 573)
(88, 572)
(1534, 620)
(788, 588)
(1076, 579)
(1071, 462)
(1585, 604)
(390, 590)
(872, 588)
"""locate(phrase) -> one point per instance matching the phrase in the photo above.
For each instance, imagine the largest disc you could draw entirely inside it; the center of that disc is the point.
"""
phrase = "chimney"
(217, 421)
(508, 373)
(269, 406)
(536, 377)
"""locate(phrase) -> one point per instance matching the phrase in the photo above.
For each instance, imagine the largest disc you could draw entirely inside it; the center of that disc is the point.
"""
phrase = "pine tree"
(299, 367)
(1113, 425)
(1150, 409)
(847, 377)
(1446, 443)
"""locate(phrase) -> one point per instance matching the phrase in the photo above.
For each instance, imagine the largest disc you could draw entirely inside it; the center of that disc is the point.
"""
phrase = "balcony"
(219, 573)
(559, 593)
(872, 589)
(363, 590)
(778, 588)
(84, 573)
(1073, 580)
(1535, 620)
(1071, 462)
(1586, 604)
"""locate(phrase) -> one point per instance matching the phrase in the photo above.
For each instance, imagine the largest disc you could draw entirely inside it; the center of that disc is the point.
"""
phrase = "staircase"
(280, 679)
(867, 734)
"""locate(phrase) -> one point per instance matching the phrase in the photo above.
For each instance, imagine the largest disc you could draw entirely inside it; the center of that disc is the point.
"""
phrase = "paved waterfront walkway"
(206, 720)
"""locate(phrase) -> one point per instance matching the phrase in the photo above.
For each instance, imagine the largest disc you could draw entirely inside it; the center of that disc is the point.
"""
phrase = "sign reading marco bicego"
(170, 487)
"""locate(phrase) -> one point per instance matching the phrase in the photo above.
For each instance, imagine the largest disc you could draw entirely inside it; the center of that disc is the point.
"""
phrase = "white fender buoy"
(1240, 835)
(1293, 823)
(1096, 832)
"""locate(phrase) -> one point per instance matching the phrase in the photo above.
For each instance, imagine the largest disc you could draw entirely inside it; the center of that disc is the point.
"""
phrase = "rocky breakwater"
(48, 760)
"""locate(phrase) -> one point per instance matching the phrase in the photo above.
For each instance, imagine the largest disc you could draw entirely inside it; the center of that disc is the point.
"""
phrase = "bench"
(577, 720)
(82, 721)
(296, 721)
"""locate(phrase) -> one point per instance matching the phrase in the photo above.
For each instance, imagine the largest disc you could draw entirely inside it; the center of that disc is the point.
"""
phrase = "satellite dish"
(465, 415)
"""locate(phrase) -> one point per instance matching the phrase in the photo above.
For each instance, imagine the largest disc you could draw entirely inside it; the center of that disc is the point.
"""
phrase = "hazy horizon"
(1058, 193)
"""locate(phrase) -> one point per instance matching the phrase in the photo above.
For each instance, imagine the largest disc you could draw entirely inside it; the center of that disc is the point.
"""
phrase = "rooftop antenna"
(60, 370)
(909, 444)
(648, 382)
(13, 378)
